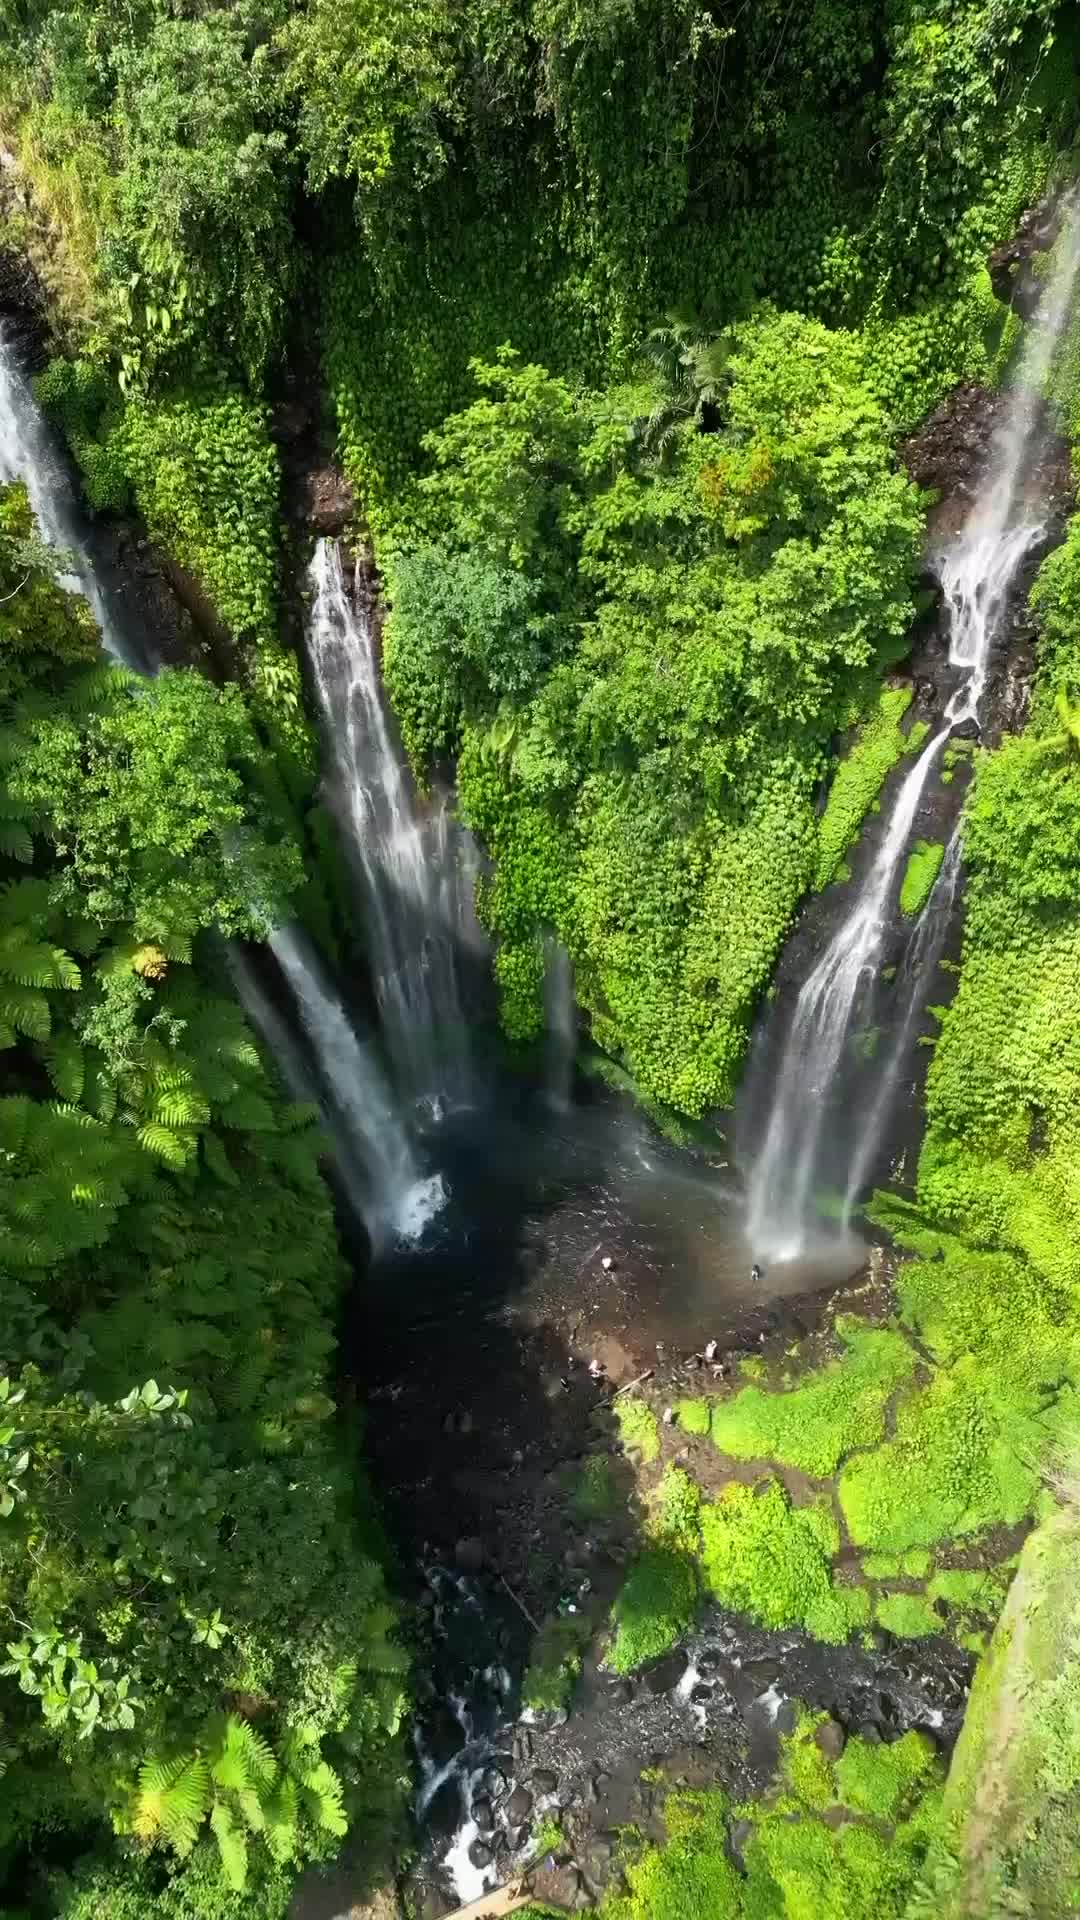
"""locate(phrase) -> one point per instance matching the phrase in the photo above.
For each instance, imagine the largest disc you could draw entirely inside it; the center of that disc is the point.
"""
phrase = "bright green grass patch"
(831, 1412)
(638, 1429)
(923, 867)
(554, 1664)
(883, 1781)
(654, 1608)
(858, 780)
(957, 1465)
(978, 1591)
(909, 1615)
(798, 1866)
(693, 1415)
(595, 1492)
(771, 1560)
(806, 1771)
(676, 1520)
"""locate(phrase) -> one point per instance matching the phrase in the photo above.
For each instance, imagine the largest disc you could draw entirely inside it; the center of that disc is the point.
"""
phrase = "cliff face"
(1010, 1840)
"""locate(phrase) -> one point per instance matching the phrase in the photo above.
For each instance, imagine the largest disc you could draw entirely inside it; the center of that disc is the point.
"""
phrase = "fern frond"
(26, 1010)
(15, 842)
(322, 1791)
(232, 1846)
(66, 1064)
(218, 1161)
(240, 1758)
(175, 1149)
(172, 1800)
(281, 1810)
(249, 1111)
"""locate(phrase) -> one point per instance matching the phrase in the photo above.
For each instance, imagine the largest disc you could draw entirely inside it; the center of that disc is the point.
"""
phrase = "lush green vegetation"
(199, 1688)
(844, 1838)
(620, 313)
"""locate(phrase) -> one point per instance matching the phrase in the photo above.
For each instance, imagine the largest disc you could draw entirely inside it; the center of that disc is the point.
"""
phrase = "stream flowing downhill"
(797, 1160)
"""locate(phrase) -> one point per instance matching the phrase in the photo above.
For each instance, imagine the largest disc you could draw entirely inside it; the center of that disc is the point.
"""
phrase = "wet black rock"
(665, 1673)
(469, 1554)
(483, 1814)
(700, 1694)
(480, 1854)
(709, 1661)
(871, 1732)
(494, 1784)
(966, 730)
(544, 1781)
(519, 1806)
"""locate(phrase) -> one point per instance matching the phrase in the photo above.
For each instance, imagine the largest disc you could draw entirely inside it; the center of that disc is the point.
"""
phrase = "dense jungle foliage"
(618, 314)
(199, 1684)
(203, 188)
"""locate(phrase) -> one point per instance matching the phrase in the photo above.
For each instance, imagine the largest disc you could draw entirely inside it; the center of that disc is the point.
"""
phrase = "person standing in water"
(755, 1274)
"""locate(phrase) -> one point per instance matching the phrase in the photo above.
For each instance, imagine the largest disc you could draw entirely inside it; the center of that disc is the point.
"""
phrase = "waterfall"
(371, 1145)
(410, 857)
(560, 1023)
(977, 571)
(364, 1120)
(28, 453)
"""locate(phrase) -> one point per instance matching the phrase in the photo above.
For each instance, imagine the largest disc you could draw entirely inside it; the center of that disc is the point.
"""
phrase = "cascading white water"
(417, 889)
(560, 1019)
(370, 1142)
(400, 1199)
(27, 453)
(917, 968)
(977, 571)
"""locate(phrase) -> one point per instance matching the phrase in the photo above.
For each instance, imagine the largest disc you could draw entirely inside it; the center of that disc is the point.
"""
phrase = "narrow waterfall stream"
(977, 571)
(560, 1017)
(417, 886)
(28, 453)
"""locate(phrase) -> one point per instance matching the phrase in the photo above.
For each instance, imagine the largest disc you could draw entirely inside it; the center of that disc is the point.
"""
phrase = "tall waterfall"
(399, 1200)
(977, 570)
(27, 453)
(411, 857)
(371, 1144)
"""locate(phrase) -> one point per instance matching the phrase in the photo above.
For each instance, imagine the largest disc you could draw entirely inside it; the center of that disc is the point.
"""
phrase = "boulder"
(830, 1738)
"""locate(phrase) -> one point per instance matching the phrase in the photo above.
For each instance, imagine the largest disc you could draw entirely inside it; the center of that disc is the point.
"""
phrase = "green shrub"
(595, 1493)
(909, 1615)
(654, 1607)
(638, 1430)
(859, 779)
(953, 1468)
(827, 1414)
(554, 1667)
(764, 1557)
(923, 867)
(693, 1415)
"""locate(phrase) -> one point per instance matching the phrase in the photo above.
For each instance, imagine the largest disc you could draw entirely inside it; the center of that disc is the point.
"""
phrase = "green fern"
(240, 1757)
(232, 1846)
(172, 1801)
(175, 1149)
(25, 1010)
(66, 1064)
